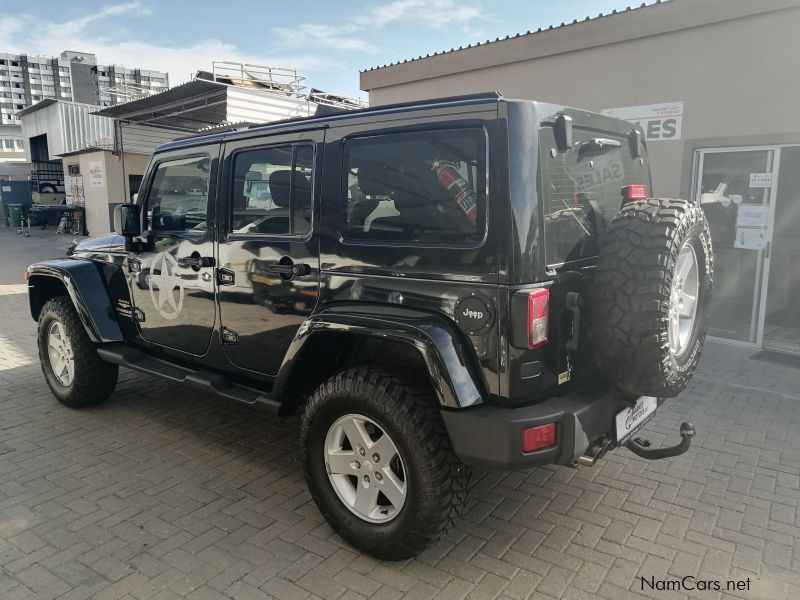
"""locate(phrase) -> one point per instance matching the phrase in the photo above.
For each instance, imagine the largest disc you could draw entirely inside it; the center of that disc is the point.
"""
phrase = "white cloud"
(50, 38)
(432, 13)
(325, 36)
(77, 25)
(436, 14)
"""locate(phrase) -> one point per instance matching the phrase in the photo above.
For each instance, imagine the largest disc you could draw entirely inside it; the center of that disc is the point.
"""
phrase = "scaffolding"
(126, 91)
(277, 80)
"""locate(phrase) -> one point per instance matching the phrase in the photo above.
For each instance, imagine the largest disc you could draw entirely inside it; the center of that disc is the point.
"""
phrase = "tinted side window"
(416, 187)
(178, 198)
(272, 190)
(583, 191)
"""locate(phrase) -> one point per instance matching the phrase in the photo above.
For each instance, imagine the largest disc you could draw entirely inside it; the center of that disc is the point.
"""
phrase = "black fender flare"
(86, 288)
(451, 367)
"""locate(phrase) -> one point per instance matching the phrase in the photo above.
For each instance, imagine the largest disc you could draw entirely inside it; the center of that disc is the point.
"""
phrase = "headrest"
(279, 188)
(375, 179)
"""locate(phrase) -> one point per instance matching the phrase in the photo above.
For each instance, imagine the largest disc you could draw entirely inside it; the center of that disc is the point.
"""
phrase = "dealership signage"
(659, 121)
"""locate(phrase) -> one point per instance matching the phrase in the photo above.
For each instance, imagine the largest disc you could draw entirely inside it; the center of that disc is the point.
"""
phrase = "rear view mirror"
(127, 220)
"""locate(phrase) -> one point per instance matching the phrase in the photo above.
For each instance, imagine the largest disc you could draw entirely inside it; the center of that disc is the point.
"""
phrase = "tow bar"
(641, 447)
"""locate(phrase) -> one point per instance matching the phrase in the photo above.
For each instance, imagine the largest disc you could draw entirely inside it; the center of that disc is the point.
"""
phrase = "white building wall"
(258, 107)
(141, 139)
(69, 127)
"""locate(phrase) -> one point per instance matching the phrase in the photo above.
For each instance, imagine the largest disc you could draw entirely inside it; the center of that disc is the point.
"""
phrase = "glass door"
(782, 320)
(736, 190)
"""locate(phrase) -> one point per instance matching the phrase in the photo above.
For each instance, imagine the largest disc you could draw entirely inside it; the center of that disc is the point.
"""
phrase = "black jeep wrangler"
(466, 281)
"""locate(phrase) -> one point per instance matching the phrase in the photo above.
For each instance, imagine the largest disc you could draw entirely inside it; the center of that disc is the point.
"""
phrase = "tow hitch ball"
(641, 447)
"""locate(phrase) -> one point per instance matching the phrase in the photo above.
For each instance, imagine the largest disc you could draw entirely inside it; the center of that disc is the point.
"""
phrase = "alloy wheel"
(59, 352)
(365, 468)
(683, 300)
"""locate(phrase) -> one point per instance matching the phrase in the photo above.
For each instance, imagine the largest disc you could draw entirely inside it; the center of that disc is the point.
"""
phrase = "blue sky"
(329, 42)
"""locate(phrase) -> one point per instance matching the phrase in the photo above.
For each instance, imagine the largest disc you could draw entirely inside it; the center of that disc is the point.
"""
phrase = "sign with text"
(96, 173)
(760, 180)
(660, 122)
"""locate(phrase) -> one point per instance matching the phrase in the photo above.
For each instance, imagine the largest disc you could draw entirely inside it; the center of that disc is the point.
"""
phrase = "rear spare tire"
(652, 296)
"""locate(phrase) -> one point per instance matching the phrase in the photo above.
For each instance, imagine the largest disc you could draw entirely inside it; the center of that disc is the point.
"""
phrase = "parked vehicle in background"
(465, 281)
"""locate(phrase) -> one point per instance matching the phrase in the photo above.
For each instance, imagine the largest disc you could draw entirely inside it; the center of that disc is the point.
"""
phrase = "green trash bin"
(14, 215)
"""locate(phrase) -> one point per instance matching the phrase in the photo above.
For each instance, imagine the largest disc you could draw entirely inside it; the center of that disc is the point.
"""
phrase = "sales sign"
(659, 121)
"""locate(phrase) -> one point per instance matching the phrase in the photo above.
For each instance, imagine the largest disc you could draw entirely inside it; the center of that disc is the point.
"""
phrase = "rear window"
(416, 187)
(582, 191)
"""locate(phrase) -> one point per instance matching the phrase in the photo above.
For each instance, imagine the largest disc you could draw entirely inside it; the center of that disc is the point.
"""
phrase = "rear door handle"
(289, 270)
(198, 262)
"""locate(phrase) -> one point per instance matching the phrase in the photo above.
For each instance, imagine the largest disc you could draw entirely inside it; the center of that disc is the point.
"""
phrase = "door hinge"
(225, 277)
(134, 265)
(229, 336)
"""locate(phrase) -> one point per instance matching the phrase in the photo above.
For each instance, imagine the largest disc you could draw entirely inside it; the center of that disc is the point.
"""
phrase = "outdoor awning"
(187, 107)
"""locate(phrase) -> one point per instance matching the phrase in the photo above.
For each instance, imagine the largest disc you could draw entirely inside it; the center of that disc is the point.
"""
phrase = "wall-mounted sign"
(752, 215)
(660, 122)
(96, 173)
(760, 180)
(73, 187)
(749, 238)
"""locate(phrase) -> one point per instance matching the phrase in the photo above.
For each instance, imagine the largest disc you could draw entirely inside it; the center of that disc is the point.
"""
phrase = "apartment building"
(72, 76)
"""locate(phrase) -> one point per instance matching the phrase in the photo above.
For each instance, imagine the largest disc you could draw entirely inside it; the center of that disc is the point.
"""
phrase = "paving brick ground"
(162, 493)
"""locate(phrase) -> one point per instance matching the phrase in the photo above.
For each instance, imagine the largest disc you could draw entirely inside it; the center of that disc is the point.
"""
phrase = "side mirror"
(128, 220)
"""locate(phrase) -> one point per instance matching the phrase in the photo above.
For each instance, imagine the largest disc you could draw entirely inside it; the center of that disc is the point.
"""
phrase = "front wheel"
(379, 464)
(76, 375)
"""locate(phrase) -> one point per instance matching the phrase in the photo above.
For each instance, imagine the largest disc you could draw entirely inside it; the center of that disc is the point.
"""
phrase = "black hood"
(107, 243)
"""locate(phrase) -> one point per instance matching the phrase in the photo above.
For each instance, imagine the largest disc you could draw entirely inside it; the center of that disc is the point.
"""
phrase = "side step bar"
(208, 381)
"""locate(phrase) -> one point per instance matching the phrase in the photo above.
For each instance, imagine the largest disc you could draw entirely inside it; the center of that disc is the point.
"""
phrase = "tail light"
(538, 309)
(536, 438)
(635, 191)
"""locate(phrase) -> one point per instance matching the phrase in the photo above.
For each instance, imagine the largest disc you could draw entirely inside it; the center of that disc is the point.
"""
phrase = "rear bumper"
(491, 436)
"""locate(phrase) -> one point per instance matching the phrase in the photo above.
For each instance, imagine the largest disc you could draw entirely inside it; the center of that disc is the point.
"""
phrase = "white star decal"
(162, 282)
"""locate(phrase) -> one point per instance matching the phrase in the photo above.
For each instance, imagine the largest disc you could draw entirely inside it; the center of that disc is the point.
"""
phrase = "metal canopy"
(187, 107)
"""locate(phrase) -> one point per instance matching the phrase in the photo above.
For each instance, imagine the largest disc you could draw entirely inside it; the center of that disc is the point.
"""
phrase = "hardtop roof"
(545, 110)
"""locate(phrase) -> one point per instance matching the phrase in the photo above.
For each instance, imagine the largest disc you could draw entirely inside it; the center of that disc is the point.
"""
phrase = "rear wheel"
(652, 296)
(379, 463)
(76, 375)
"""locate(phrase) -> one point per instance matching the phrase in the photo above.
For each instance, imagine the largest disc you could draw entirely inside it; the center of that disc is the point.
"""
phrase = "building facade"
(74, 77)
(714, 85)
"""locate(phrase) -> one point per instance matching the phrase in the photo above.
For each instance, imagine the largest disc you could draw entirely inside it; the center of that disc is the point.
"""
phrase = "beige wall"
(115, 184)
(737, 78)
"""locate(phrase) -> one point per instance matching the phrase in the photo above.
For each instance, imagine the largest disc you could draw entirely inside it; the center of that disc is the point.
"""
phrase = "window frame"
(145, 202)
(231, 236)
(446, 244)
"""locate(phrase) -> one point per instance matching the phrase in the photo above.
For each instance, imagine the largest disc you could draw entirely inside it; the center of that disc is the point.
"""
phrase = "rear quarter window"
(582, 191)
(420, 187)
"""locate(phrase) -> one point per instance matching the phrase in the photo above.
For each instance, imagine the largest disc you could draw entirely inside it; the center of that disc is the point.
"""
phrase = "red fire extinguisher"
(458, 188)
